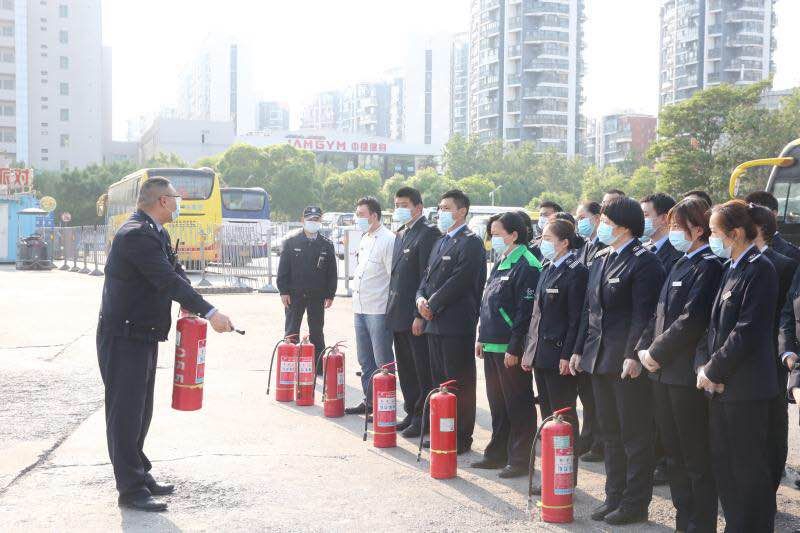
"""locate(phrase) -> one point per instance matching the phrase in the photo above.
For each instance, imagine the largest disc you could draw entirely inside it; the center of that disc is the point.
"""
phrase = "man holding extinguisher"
(142, 278)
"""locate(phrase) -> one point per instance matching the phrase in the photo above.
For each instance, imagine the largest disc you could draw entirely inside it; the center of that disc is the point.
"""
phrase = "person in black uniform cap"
(785, 268)
(142, 278)
(556, 316)
(448, 298)
(307, 278)
(504, 317)
(620, 301)
(779, 244)
(589, 446)
(738, 371)
(412, 248)
(656, 207)
(667, 350)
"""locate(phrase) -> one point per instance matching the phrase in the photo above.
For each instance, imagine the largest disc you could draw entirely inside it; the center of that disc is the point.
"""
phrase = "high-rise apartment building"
(459, 84)
(272, 116)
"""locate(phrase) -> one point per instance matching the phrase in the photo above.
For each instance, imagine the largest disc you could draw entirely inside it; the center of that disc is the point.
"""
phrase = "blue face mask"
(401, 215)
(498, 245)
(585, 228)
(718, 247)
(542, 222)
(649, 230)
(677, 239)
(445, 221)
(606, 234)
(362, 224)
(548, 249)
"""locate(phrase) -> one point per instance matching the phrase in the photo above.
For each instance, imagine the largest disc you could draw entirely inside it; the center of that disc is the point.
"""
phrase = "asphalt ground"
(244, 462)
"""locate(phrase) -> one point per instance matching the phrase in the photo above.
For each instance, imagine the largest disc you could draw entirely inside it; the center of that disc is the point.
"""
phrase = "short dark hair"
(411, 193)
(626, 212)
(698, 193)
(526, 218)
(552, 205)
(151, 190)
(372, 204)
(563, 215)
(765, 219)
(459, 198)
(564, 230)
(767, 199)
(692, 211)
(616, 191)
(591, 207)
(662, 202)
(736, 214)
(511, 222)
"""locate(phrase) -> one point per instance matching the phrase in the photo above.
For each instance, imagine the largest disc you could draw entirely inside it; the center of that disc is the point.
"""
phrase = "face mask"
(585, 227)
(445, 221)
(362, 224)
(606, 234)
(542, 222)
(312, 226)
(548, 250)
(401, 215)
(649, 230)
(175, 214)
(498, 245)
(718, 247)
(677, 239)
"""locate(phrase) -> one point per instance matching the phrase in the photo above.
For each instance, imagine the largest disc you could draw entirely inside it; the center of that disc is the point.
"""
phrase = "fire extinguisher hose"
(368, 392)
(272, 359)
(532, 461)
(426, 407)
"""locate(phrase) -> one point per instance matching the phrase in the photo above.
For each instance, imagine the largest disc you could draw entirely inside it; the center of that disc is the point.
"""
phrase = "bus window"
(194, 187)
(243, 200)
(788, 195)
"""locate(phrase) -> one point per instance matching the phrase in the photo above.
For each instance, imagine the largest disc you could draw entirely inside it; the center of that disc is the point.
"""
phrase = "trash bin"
(32, 254)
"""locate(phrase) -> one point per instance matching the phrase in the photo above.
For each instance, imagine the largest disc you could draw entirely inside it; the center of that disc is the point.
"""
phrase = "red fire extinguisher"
(333, 382)
(190, 362)
(558, 483)
(305, 375)
(287, 360)
(442, 405)
(384, 408)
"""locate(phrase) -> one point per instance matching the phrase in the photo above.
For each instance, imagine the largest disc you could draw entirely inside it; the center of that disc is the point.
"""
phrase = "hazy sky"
(312, 45)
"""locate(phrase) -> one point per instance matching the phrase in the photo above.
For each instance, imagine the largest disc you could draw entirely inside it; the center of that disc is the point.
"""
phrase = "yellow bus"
(200, 219)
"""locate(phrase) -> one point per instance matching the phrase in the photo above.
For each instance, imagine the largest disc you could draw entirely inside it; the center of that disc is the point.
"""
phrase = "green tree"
(597, 181)
(478, 188)
(166, 160)
(293, 182)
(341, 191)
(460, 156)
(643, 182)
(390, 187)
(567, 200)
(243, 165)
(430, 185)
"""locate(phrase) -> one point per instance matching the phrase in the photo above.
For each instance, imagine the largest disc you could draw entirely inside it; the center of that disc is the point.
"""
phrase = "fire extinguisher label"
(306, 367)
(201, 352)
(386, 404)
(287, 366)
(178, 378)
(563, 475)
(447, 425)
(561, 442)
(340, 384)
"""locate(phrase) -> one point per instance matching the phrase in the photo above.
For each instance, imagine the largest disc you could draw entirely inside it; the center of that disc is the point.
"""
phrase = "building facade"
(459, 85)
(364, 109)
(190, 140)
(322, 112)
(525, 72)
(707, 42)
(272, 116)
(622, 137)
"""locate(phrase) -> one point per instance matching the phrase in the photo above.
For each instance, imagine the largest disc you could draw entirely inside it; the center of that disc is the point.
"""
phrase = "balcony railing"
(535, 119)
(514, 23)
(547, 64)
(539, 6)
(513, 106)
(546, 35)
(487, 110)
(514, 79)
(515, 50)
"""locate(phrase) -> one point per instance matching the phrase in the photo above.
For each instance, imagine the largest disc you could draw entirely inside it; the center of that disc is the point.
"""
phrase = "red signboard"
(16, 179)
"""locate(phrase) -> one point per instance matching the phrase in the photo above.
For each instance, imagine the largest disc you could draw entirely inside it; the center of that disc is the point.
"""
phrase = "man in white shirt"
(370, 295)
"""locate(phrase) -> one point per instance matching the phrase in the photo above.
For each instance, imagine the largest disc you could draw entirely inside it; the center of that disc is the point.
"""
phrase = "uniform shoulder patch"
(638, 250)
(709, 256)
(574, 264)
(604, 251)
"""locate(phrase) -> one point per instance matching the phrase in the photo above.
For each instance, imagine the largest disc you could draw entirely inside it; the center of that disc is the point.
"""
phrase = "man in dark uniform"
(142, 279)
(307, 278)
(779, 244)
(656, 207)
(449, 298)
(412, 248)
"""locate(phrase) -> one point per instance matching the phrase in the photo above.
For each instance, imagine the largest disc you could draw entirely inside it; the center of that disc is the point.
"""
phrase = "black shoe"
(142, 502)
(592, 456)
(359, 409)
(487, 464)
(537, 490)
(623, 516)
(157, 489)
(510, 472)
(660, 475)
(404, 423)
(414, 430)
(601, 511)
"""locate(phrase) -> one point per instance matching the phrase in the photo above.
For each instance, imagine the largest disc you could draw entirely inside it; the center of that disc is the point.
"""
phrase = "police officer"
(785, 268)
(667, 350)
(589, 445)
(307, 278)
(412, 248)
(556, 316)
(620, 302)
(656, 207)
(738, 370)
(142, 278)
(449, 299)
(504, 318)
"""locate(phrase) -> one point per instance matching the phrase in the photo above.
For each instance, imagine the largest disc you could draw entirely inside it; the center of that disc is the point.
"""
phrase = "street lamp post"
(491, 194)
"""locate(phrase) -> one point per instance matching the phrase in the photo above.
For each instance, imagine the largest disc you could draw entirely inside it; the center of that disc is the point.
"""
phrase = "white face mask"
(312, 226)
(175, 214)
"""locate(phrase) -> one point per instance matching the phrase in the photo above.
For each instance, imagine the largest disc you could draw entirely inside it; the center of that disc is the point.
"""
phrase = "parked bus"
(201, 211)
(245, 217)
(784, 184)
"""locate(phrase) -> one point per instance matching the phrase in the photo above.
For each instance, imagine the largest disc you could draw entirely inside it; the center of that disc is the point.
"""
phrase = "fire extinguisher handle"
(449, 384)
(562, 411)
